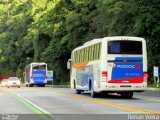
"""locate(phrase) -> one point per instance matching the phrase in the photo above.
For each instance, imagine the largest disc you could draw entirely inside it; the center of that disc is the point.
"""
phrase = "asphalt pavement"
(65, 104)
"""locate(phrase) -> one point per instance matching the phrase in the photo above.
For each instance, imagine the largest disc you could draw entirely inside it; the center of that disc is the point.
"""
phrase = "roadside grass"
(154, 85)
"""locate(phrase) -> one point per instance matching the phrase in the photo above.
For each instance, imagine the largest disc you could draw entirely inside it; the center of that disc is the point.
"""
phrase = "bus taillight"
(45, 76)
(145, 75)
(104, 74)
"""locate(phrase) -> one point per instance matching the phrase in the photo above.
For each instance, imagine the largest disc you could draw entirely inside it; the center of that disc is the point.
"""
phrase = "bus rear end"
(126, 65)
(39, 74)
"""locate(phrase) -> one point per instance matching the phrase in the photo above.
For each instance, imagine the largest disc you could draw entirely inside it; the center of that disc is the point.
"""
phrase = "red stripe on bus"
(127, 80)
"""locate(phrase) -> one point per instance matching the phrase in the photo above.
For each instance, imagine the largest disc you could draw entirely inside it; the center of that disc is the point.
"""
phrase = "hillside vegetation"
(48, 30)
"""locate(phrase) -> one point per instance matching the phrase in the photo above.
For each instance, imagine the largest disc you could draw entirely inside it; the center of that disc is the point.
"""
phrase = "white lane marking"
(36, 106)
(145, 98)
(39, 108)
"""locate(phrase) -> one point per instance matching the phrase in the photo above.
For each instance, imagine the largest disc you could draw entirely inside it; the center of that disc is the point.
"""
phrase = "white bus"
(109, 65)
(35, 74)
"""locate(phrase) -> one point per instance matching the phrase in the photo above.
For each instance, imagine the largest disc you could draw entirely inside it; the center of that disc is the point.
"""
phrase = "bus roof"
(94, 41)
(40, 63)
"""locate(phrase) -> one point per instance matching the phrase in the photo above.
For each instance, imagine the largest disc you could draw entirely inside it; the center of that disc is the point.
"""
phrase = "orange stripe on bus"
(80, 65)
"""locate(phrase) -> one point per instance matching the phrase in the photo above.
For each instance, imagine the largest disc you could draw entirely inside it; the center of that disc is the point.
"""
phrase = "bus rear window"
(125, 47)
(39, 67)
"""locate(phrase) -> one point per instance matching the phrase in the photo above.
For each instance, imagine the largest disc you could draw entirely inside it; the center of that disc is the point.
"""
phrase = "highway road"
(63, 104)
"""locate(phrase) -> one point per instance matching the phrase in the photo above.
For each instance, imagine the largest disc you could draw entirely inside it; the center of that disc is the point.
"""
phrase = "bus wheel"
(126, 94)
(105, 94)
(74, 84)
(30, 85)
(93, 94)
(78, 92)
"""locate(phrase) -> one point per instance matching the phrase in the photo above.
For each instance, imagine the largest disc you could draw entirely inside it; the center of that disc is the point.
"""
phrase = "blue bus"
(35, 74)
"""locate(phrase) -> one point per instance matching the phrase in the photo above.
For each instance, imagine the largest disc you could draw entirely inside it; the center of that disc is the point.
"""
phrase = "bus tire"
(74, 84)
(105, 94)
(78, 92)
(93, 93)
(126, 95)
(30, 85)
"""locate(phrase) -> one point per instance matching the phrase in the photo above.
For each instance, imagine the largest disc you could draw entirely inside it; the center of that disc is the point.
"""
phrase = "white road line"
(39, 108)
(142, 97)
(36, 106)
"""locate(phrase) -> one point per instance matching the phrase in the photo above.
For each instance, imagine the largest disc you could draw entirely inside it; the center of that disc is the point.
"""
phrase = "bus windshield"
(39, 67)
(125, 47)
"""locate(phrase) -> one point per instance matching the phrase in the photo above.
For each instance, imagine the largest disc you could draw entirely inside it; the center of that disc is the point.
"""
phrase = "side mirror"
(69, 64)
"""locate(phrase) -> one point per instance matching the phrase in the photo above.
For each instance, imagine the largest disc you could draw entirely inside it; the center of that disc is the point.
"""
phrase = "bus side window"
(82, 55)
(74, 56)
(99, 50)
(78, 55)
(88, 54)
(85, 55)
(94, 53)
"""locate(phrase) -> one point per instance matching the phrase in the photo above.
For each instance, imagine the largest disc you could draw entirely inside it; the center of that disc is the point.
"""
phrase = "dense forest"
(48, 30)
